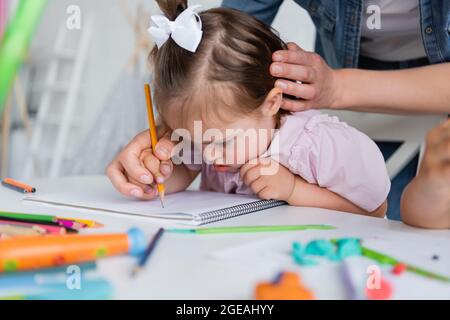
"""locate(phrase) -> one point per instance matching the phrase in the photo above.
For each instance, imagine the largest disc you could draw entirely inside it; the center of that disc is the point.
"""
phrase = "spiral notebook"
(191, 207)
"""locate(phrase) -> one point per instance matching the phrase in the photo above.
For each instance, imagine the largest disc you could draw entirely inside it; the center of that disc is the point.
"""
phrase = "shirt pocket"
(323, 13)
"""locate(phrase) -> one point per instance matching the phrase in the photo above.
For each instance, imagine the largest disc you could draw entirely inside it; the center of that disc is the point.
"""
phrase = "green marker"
(252, 229)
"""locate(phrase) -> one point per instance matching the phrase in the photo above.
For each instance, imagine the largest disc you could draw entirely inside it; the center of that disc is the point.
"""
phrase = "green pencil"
(385, 259)
(29, 217)
(252, 229)
(389, 260)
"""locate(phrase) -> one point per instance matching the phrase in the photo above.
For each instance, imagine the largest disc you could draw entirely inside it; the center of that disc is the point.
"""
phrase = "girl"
(212, 69)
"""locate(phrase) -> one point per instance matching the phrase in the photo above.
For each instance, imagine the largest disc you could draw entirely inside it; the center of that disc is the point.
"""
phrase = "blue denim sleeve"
(263, 10)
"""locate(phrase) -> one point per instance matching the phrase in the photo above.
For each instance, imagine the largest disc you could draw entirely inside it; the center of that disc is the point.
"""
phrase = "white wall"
(113, 39)
(110, 49)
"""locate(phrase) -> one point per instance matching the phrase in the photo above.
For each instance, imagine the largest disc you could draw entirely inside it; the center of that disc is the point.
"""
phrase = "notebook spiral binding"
(238, 210)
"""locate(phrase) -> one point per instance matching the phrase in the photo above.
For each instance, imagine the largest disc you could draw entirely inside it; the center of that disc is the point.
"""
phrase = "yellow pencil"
(153, 135)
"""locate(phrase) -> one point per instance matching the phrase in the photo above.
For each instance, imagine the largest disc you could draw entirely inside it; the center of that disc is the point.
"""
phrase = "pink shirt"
(323, 151)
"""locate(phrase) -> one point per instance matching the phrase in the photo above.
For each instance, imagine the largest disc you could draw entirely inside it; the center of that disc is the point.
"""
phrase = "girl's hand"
(318, 87)
(268, 179)
(136, 169)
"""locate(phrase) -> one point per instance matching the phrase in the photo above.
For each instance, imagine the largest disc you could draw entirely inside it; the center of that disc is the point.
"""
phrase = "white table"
(182, 267)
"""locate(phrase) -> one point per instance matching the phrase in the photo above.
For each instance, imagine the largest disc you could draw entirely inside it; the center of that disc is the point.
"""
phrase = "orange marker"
(18, 186)
(288, 287)
(29, 253)
(153, 134)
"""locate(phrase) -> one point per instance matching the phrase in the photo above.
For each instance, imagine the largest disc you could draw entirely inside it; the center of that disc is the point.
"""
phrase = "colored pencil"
(251, 229)
(348, 281)
(385, 259)
(47, 228)
(18, 186)
(153, 135)
(151, 247)
(20, 231)
(40, 218)
(382, 258)
(41, 223)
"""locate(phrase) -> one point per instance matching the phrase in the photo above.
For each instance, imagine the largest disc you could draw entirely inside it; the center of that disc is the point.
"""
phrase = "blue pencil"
(151, 247)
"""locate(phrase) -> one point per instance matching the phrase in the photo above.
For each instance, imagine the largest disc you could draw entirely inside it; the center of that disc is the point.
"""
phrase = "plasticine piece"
(300, 257)
(348, 247)
(287, 287)
(323, 248)
(399, 268)
(382, 293)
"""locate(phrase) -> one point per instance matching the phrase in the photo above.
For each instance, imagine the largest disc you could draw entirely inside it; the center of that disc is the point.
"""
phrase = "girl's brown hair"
(234, 55)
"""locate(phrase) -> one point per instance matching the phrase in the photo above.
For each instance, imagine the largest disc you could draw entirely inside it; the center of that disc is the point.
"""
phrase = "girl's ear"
(272, 104)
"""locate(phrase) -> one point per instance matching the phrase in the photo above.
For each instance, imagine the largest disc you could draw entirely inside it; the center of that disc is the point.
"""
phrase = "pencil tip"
(161, 198)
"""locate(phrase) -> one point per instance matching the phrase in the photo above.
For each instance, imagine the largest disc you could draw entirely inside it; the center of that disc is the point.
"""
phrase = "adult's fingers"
(299, 56)
(299, 90)
(293, 72)
(115, 173)
(295, 105)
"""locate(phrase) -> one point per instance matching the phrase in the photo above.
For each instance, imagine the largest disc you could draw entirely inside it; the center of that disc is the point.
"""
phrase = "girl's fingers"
(295, 105)
(164, 148)
(116, 175)
(293, 72)
(166, 168)
(257, 186)
(246, 167)
(150, 191)
(133, 166)
(251, 175)
(299, 90)
(152, 164)
(265, 193)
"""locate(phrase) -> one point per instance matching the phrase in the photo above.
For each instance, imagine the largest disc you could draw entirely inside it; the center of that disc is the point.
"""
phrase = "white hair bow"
(186, 30)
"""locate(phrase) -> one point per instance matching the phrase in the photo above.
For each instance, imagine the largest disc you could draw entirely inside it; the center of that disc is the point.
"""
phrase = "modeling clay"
(300, 256)
(323, 248)
(348, 247)
(399, 268)
(287, 286)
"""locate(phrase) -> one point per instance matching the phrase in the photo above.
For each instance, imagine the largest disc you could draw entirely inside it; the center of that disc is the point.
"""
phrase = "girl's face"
(228, 140)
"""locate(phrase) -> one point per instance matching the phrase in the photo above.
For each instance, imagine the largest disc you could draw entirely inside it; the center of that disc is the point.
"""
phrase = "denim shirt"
(338, 26)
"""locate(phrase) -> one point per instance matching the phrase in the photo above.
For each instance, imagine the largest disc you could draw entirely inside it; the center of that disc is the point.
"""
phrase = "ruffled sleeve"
(335, 156)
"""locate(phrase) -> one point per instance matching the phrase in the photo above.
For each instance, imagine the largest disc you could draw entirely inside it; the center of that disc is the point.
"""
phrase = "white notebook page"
(98, 194)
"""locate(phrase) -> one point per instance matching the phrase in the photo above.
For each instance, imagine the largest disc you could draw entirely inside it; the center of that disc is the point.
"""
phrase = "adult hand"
(318, 81)
(136, 169)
